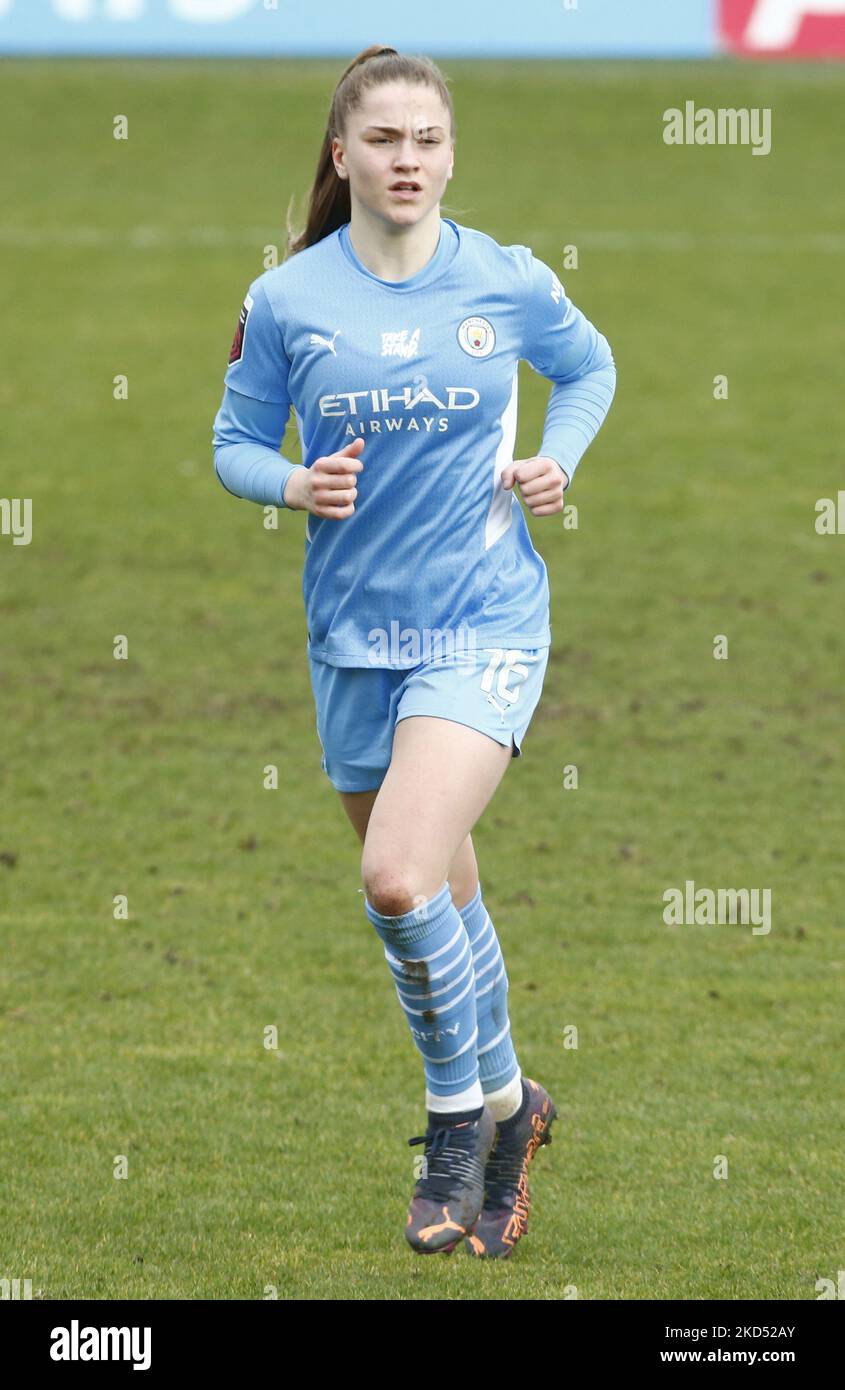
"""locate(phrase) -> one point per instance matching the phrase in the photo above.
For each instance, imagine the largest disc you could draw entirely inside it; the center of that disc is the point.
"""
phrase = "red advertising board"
(783, 28)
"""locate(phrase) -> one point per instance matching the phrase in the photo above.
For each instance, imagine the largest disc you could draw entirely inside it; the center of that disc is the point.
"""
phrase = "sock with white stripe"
(498, 1068)
(429, 955)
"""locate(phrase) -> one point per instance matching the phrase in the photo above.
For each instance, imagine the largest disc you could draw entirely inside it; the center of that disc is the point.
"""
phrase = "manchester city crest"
(477, 336)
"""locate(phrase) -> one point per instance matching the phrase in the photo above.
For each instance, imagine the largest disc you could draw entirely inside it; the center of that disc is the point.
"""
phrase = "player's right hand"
(327, 487)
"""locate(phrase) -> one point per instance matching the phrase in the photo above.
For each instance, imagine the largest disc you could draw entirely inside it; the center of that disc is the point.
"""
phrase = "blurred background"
(475, 28)
(161, 906)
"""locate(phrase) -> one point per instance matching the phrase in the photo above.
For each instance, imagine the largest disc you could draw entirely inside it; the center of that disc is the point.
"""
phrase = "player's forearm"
(254, 472)
(247, 437)
(575, 413)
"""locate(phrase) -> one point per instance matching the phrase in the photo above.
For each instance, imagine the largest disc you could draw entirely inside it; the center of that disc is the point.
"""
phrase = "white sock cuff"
(470, 1099)
(507, 1100)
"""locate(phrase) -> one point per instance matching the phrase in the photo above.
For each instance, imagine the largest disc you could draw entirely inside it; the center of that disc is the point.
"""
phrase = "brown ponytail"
(329, 204)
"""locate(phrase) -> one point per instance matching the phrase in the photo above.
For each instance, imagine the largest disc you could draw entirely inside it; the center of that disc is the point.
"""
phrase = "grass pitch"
(253, 1170)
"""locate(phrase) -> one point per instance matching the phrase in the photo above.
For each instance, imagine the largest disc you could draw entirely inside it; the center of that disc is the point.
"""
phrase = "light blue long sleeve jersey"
(425, 371)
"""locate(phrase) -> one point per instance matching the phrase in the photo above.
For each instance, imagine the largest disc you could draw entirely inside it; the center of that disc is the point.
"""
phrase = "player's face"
(401, 134)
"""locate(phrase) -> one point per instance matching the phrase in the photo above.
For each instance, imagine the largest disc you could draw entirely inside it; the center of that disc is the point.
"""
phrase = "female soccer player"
(396, 334)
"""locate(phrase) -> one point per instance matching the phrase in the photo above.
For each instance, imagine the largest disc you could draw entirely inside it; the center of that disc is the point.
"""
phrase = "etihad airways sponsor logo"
(380, 400)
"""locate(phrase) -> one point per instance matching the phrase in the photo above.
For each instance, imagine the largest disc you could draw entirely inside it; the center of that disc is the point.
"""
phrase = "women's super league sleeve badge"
(477, 336)
(236, 351)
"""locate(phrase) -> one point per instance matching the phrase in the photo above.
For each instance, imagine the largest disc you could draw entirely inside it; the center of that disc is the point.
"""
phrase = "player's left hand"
(542, 483)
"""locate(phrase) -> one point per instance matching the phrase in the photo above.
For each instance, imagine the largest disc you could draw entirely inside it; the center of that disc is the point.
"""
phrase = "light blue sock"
(429, 955)
(497, 1060)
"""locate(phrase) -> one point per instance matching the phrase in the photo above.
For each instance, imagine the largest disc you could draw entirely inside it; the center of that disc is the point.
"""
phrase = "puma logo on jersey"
(399, 344)
(318, 341)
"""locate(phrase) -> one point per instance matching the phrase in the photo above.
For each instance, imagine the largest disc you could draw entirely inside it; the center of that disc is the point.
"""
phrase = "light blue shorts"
(358, 707)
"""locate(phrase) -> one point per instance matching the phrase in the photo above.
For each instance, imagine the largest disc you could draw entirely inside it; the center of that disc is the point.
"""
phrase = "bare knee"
(391, 893)
(394, 890)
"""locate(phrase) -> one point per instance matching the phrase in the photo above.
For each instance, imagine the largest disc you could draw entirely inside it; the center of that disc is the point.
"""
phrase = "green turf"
(251, 1168)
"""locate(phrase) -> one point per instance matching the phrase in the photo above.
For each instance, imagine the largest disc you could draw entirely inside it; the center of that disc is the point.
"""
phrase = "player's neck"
(394, 252)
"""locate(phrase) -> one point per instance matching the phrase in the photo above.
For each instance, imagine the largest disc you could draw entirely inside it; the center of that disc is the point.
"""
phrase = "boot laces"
(450, 1159)
(505, 1175)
